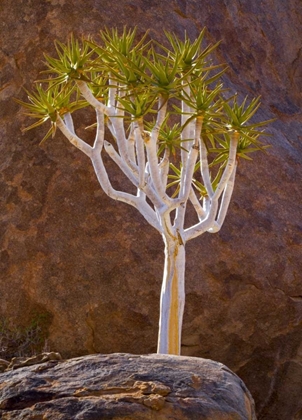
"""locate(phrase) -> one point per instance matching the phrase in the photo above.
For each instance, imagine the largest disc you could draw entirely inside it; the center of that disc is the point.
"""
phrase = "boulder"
(125, 386)
(92, 268)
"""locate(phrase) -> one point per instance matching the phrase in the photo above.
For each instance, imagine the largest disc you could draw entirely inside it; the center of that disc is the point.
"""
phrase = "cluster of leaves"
(144, 74)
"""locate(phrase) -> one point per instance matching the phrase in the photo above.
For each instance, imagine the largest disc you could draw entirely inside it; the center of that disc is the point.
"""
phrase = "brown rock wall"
(96, 266)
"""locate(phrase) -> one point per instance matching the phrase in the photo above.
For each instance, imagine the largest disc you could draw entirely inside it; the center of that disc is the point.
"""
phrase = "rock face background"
(94, 267)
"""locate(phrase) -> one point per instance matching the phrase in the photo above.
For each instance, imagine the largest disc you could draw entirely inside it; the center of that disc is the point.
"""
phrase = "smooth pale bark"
(137, 157)
(73, 138)
(172, 299)
(204, 169)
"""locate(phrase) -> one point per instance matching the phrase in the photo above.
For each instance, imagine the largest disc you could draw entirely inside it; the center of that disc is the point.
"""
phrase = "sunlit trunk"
(172, 299)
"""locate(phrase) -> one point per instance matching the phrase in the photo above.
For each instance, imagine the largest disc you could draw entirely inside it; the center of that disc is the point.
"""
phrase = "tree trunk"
(172, 300)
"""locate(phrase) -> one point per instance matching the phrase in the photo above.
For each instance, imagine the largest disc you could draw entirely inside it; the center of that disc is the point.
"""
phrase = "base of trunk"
(172, 299)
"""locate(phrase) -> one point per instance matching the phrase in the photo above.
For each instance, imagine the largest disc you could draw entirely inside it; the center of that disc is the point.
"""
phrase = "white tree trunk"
(172, 300)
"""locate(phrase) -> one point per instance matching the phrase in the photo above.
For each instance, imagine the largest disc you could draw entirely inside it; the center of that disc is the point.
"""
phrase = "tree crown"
(140, 77)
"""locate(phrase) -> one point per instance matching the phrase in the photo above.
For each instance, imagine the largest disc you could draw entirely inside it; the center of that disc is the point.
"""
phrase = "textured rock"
(3, 365)
(124, 386)
(95, 266)
(18, 362)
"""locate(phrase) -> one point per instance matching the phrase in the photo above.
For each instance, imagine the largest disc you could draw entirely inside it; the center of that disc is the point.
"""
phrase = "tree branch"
(103, 179)
(135, 201)
(229, 166)
(196, 204)
(224, 205)
(209, 221)
(69, 122)
(204, 168)
(85, 91)
(130, 144)
(140, 154)
(100, 131)
(131, 175)
(73, 138)
(151, 148)
(187, 173)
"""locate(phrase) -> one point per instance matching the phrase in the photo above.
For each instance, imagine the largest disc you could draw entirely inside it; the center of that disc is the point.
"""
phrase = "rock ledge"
(125, 386)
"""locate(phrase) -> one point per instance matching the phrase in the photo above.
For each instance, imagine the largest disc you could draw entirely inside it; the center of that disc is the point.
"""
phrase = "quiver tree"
(165, 120)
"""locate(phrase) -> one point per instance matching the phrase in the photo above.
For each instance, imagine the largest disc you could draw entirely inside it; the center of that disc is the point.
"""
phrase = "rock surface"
(125, 386)
(94, 266)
